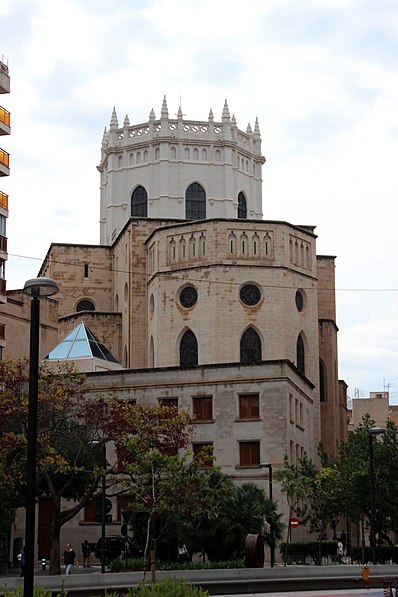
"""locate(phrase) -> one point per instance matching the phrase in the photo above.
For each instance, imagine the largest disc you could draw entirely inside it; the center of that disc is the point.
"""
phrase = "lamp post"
(36, 288)
(103, 513)
(371, 432)
(272, 549)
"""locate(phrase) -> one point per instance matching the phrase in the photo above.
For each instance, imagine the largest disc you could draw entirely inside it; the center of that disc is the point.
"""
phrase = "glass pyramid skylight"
(79, 344)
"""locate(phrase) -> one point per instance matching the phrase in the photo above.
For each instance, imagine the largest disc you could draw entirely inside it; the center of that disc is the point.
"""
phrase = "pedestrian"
(22, 561)
(86, 554)
(70, 558)
(183, 555)
(340, 552)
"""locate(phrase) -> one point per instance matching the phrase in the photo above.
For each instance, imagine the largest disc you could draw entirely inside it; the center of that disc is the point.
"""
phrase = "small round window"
(188, 296)
(250, 294)
(299, 300)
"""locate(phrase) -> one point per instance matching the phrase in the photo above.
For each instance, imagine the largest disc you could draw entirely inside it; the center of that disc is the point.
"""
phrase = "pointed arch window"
(300, 354)
(242, 206)
(250, 348)
(195, 202)
(139, 202)
(188, 350)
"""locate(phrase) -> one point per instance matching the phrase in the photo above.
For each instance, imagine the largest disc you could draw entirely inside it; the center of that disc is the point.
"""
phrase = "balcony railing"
(2, 331)
(4, 116)
(4, 158)
(3, 243)
(3, 200)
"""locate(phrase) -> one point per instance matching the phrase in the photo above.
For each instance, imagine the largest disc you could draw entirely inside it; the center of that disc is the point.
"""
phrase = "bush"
(168, 587)
(37, 592)
(137, 564)
(309, 548)
(384, 553)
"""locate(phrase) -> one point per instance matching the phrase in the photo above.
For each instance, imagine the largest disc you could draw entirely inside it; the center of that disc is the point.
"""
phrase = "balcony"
(4, 78)
(5, 119)
(2, 286)
(4, 163)
(3, 200)
(3, 244)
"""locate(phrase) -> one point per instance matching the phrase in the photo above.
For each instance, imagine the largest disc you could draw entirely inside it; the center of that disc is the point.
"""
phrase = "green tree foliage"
(160, 475)
(69, 422)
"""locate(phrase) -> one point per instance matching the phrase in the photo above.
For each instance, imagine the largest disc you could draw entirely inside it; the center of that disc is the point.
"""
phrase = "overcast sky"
(320, 75)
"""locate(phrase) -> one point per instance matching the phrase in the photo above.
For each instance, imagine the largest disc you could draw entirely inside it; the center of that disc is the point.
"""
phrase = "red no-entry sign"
(294, 522)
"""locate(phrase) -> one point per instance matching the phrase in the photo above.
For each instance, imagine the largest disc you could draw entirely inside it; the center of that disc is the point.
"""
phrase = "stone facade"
(224, 306)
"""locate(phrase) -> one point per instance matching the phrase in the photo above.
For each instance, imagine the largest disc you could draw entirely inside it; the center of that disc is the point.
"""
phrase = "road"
(343, 593)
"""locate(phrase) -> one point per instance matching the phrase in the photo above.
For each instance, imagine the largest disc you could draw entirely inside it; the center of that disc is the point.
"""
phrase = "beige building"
(200, 300)
(377, 406)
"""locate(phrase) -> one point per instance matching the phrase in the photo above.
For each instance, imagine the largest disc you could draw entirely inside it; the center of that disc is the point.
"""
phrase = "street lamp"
(272, 550)
(36, 288)
(371, 432)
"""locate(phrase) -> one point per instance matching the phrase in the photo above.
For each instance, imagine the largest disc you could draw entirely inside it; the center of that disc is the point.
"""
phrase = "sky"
(320, 75)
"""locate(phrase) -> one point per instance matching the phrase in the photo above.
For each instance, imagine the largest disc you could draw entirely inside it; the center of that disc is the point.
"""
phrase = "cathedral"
(199, 301)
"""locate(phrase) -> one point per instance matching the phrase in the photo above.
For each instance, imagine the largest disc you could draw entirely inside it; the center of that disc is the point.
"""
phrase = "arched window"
(85, 305)
(195, 202)
(250, 348)
(139, 202)
(188, 350)
(242, 206)
(300, 355)
(322, 387)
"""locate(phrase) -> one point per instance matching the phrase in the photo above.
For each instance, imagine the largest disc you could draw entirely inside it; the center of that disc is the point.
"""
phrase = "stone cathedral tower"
(179, 169)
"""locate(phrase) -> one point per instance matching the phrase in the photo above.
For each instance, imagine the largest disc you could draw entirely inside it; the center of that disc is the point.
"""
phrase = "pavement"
(90, 581)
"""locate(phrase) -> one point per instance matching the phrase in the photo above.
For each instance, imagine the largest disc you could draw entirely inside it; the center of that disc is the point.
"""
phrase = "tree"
(161, 475)
(70, 424)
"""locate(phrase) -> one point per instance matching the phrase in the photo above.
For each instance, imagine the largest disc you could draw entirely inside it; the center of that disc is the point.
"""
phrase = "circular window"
(299, 300)
(188, 296)
(250, 294)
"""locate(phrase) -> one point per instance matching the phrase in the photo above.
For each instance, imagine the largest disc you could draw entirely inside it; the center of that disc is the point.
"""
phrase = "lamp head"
(376, 431)
(38, 287)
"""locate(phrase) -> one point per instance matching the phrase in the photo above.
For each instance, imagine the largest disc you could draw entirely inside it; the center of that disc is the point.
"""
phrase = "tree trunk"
(55, 551)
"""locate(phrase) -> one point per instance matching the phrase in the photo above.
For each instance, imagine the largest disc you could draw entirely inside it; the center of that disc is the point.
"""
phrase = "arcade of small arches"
(195, 203)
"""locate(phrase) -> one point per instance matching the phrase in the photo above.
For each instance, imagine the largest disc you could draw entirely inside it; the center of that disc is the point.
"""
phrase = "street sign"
(294, 522)
(126, 514)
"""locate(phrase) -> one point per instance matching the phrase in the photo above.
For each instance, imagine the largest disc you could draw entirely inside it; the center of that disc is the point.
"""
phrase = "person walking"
(22, 561)
(86, 554)
(70, 558)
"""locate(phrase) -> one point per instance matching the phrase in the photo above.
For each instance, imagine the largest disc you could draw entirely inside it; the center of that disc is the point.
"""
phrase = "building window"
(250, 295)
(202, 407)
(93, 510)
(86, 270)
(188, 350)
(123, 503)
(198, 452)
(299, 301)
(249, 406)
(85, 305)
(195, 202)
(300, 355)
(169, 402)
(188, 296)
(250, 348)
(139, 202)
(249, 453)
(242, 207)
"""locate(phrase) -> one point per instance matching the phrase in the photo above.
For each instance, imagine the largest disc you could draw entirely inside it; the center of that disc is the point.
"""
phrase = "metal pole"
(103, 522)
(372, 501)
(272, 526)
(32, 448)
